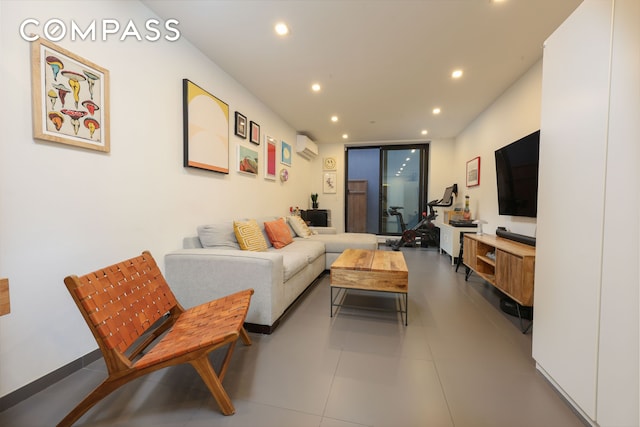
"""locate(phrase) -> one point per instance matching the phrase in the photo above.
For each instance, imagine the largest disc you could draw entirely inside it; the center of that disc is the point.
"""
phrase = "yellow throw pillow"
(299, 226)
(278, 233)
(249, 236)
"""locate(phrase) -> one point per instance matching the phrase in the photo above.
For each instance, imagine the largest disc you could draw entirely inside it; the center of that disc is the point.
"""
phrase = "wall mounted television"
(517, 176)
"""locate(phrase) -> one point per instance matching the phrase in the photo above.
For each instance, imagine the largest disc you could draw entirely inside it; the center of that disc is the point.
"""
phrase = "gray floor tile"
(460, 362)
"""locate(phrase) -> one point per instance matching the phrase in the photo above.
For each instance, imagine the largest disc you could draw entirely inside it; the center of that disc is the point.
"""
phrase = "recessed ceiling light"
(282, 29)
(315, 87)
(424, 132)
(334, 118)
(456, 74)
(436, 110)
(345, 136)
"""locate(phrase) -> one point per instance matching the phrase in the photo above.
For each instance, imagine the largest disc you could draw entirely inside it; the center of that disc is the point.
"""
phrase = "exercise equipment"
(425, 229)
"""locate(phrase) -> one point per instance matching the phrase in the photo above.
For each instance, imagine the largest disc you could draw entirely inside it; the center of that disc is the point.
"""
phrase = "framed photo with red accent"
(255, 133)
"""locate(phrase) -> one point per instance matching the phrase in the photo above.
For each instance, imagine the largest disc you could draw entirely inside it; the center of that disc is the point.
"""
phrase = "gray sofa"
(212, 265)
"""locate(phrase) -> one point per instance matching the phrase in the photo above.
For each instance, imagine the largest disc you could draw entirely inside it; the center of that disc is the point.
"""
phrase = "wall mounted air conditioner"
(306, 147)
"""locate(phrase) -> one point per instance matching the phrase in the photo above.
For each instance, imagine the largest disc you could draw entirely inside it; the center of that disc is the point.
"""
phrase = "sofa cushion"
(218, 235)
(298, 255)
(337, 243)
(308, 247)
(299, 226)
(261, 222)
(249, 235)
(278, 232)
(292, 263)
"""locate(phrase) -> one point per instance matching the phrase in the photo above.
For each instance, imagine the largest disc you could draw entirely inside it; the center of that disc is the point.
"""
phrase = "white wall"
(516, 113)
(65, 210)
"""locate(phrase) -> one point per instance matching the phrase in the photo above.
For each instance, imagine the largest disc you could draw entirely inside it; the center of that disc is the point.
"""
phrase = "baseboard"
(51, 378)
(586, 420)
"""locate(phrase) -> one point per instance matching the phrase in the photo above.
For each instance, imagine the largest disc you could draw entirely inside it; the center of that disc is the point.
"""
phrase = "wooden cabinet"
(507, 265)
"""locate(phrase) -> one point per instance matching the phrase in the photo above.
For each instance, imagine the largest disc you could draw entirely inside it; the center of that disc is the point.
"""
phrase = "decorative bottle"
(466, 213)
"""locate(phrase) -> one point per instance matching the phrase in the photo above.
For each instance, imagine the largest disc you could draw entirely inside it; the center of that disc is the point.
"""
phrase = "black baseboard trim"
(51, 378)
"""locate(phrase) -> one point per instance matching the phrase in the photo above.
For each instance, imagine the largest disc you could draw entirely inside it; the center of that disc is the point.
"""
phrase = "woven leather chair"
(140, 327)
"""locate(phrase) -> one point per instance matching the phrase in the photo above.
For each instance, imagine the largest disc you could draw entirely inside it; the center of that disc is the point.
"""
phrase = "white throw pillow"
(299, 226)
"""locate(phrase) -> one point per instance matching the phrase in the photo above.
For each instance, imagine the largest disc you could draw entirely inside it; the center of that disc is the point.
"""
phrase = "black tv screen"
(517, 176)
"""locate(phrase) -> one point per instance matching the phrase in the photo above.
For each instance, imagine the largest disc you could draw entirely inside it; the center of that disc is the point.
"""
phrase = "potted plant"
(314, 200)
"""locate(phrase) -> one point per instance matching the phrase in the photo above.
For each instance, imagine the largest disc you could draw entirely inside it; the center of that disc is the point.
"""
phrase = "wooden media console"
(507, 265)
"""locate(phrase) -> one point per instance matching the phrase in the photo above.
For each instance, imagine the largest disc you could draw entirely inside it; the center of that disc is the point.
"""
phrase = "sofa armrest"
(324, 230)
(200, 275)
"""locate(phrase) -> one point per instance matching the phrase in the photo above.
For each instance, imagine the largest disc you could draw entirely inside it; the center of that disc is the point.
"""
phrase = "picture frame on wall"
(241, 125)
(285, 153)
(247, 160)
(70, 97)
(206, 129)
(473, 172)
(270, 152)
(329, 182)
(255, 133)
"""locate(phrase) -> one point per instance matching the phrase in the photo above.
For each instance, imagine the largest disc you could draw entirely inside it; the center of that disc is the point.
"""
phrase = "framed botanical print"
(70, 97)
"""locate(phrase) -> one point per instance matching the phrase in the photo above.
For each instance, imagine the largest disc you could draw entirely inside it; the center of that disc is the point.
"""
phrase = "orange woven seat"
(140, 327)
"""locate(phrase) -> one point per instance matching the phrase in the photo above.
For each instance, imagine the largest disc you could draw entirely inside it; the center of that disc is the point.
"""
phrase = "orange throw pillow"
(278, 233)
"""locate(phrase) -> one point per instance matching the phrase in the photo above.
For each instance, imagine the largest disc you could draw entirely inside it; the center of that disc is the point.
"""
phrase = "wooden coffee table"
(370, 270)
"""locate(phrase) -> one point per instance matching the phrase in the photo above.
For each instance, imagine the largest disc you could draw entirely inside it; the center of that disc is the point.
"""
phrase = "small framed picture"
(255, 133)
(473, 172)
(241, 125)
(270, 148)
(329, 184)
(247, 160)
(285, 153)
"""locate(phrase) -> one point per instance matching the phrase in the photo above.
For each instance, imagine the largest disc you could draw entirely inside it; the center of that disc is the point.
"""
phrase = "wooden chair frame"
(140, 328)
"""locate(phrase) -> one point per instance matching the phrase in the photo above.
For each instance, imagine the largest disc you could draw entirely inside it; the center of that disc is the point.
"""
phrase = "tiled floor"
(460, 362)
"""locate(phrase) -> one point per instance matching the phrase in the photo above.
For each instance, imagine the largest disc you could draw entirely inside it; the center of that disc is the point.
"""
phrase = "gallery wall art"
(255, 133)
(473, 172)
(286, 153)
(241, 125)
(70, 97)
(206, 129)
(270, 151)
(247, 160)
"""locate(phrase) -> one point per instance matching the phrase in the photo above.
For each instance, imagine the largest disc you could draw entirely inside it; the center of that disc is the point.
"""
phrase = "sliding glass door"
(386, 188)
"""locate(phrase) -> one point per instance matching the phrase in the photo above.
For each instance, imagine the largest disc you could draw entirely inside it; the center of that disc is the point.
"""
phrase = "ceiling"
(383, 65)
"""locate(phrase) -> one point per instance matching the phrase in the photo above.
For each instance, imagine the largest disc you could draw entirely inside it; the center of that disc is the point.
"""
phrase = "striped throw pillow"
(249, 235)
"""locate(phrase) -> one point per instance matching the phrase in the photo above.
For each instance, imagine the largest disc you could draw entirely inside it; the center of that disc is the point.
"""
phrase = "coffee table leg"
(331, 301)
(406, 309)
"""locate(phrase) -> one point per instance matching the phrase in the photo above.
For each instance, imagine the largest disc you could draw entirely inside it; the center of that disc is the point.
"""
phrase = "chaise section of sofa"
(212, 265)
(335, 243)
